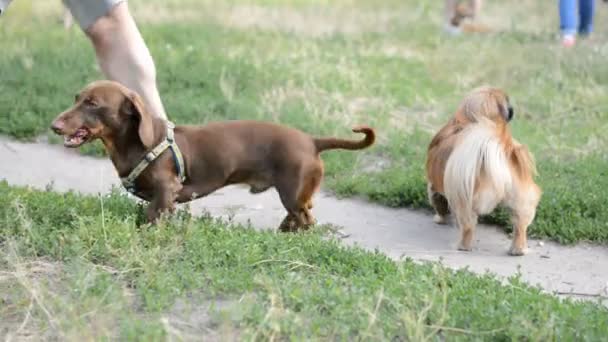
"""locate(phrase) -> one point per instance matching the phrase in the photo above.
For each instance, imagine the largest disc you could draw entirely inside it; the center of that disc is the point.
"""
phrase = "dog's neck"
(126, 149)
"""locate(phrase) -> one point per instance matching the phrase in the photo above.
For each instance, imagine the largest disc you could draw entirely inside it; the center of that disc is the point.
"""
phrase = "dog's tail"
(477, 157)
(323, 144)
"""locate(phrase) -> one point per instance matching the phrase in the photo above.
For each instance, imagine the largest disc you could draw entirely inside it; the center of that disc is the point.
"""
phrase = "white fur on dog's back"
(477, 154)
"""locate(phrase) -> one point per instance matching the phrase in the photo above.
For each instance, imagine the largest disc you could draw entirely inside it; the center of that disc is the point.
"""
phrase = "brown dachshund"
(260, 154)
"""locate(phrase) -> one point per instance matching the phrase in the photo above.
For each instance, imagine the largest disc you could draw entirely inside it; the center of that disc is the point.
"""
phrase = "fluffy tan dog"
(474, 164)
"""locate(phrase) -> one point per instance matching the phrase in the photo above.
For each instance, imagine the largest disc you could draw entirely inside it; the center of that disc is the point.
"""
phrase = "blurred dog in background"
(458, 11)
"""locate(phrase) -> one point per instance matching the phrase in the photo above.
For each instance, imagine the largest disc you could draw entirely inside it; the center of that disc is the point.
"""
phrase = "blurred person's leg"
(568, 21)
(449, 9)
(586, 10)
(475, 6)
(121, 51)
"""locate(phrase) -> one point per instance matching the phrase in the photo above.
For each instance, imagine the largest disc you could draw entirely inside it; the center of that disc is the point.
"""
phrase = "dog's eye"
(89, 102)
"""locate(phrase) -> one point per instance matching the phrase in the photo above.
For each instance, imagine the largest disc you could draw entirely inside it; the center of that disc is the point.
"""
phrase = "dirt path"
(581, 269)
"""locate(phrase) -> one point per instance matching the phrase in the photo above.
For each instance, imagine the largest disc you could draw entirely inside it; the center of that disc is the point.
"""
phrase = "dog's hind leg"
(288, 224)
(296, 196)
(523, 208)
(311, 182)
(287, 190)
(309, 205)
(466, 220)
(521, 220)
(440, 204)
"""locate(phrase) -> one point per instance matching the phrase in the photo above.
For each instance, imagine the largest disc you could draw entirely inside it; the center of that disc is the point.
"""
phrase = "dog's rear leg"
(524, 210)
(287, 193)
(467, 220)
(297, 199)
(311, 182)
(288, 224)
(309, 205)
(521, 220)
(298, 215)
(440, 204)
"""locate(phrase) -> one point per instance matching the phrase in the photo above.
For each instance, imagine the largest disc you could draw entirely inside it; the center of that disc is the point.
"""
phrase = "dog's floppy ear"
(473, 107)
(134, 105)
(506, 111)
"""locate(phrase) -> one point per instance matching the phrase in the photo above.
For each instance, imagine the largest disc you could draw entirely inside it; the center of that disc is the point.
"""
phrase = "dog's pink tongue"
(80, 132)
(71, 140)
(76, 138)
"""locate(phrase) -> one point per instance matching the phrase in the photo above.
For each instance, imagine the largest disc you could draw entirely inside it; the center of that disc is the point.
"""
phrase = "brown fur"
(260, 154)
(461, 12)
(490, 108)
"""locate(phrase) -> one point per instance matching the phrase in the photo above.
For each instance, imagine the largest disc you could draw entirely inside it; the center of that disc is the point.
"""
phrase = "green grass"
(79, 267)
(325, 66)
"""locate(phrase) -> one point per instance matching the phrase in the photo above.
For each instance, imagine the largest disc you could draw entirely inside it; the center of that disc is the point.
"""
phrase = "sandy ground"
(581, 270)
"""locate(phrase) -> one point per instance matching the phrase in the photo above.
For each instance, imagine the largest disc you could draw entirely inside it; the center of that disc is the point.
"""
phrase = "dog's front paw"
(440, 219)
(517, 250)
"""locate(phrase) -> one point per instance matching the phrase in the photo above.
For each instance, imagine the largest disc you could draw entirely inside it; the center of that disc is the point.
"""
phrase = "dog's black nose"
(510, 114)
(58, 126)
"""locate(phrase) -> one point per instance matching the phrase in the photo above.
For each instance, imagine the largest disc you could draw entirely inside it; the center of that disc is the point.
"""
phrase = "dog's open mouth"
(76, 139)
